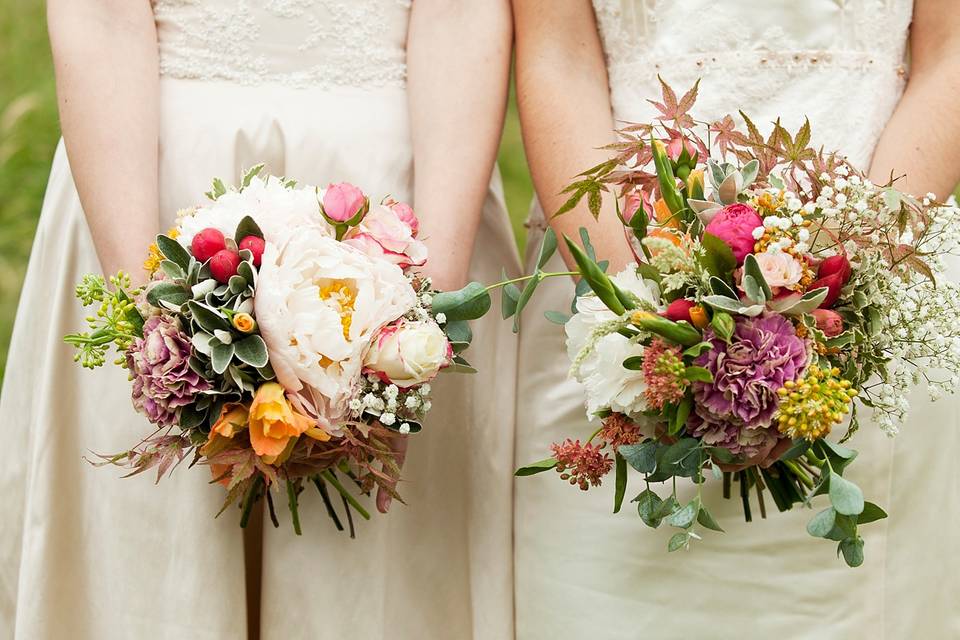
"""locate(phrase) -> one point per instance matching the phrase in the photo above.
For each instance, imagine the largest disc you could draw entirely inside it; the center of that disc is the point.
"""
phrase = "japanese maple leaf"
(672, 109)
(726, 134)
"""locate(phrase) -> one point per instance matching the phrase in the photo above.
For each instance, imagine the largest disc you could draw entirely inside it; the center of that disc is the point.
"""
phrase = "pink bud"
(206, 243)
(679, 310)
(223, 265)
(834, 284)
(676, 146)
(342, 201)
(255, 245)
(829, 322)
(406, 215)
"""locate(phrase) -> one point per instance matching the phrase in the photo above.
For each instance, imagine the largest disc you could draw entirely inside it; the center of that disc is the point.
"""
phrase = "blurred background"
(29, 133)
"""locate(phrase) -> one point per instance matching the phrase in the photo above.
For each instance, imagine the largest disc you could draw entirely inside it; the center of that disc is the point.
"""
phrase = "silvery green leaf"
(752, 268)
(225, 337)
(171, 306)
(729, 188)
(245, 270)
(678, 541)
(221, 357)
(749, 173)
(237, 284)
(716, 174)
(252, 350)
(753, 290)
(846, 497)
(776, 182)
(209, 319)
(798, 305)
(201, 342)
(173, 270)
(723, 303)
(721, 288)
(244, 305)
(174, 251)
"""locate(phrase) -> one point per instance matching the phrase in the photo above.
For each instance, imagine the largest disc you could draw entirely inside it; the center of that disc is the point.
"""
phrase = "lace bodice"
(840, 62)
(305, 43)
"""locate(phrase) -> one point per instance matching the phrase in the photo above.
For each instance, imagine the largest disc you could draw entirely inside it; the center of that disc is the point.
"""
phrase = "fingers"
(384, 497)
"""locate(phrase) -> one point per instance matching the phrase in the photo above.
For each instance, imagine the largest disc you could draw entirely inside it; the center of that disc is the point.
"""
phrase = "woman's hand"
(458, 67)
(105, 56)
(566, 114)
(920, 140)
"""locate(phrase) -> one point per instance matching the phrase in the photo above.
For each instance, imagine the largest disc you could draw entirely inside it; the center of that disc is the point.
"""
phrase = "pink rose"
(828, 321)
(385, 233)
(343, 201)
(779, 269)
(677, 145)
(406, 214)
(734, 224)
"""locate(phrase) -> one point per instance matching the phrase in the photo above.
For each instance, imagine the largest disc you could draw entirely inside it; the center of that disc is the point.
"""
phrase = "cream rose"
(319, 304)
(779, 269)
(409, 353)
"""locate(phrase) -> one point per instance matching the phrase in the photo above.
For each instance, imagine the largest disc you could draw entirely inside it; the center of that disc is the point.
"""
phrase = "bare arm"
(921, 139)
(458, 61)
(105, 56)
(565, 113)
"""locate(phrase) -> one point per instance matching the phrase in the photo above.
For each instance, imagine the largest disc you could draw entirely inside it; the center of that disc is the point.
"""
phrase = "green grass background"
(29, 132)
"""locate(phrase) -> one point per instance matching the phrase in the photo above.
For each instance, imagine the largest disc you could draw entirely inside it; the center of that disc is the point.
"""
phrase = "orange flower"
(233, 419)
(698, 315)
(244, 322)
(664, 216)
(274, 424)
(220, 471)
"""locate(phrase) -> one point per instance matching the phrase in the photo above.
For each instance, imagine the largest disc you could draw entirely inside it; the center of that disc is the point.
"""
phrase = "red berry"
(679, 310)
(254, 245)
(224, 264)
(206, 243)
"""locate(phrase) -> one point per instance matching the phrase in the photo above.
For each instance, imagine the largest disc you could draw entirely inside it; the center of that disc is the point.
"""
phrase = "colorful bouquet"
(285, 338)
(776, 291)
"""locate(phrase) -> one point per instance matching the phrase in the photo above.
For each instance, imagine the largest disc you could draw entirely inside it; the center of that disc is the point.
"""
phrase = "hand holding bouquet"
(285, 339)
(776, 292)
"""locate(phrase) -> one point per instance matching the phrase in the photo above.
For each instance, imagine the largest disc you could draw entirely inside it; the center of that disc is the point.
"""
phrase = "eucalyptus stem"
(539, 274)
(594, 435)
(800, 474)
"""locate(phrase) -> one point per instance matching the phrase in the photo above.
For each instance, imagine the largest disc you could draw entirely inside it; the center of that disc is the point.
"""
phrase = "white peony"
(608, 385)
(319, 304)
(410, 353)
(277, 210)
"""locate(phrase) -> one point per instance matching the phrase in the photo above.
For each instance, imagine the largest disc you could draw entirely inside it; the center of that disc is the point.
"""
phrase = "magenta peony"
(159, 364)
(737, 407)
(734, 224)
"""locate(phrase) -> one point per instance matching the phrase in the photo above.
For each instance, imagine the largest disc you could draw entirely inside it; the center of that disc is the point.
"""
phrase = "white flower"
(277, 210)
(387, 419)
(319, 304)
(779, 269)
(409, 353)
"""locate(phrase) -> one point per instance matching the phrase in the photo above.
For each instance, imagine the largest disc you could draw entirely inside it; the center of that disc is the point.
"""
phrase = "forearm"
(566, 118)
(105, 56)
(458, 62)
(921, 139)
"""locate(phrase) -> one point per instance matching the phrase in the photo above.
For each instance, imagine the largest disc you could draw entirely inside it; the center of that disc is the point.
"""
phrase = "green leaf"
(723, 325)
(547, 247)
(843, 527)
(173, 270)
(721, 288)
(557, 317)
(721, 455)
(536, 467)
(208, 319)
(678, 541)
(800, 447)
(633, 363)
(459, 334)
(251, 173)
(680, 450)
(525, 296)
(167, 291)
(706, 519)
(697, 374)
(871, 513)
(852, 550)
(822, 523)
(508, 298)
(846, 497)
(717, 257)
(221, 356)
(247, 227)
(680, 417)
(173, 251)
(648, 503)
(697, 349)
(218, 189)
(252, 350)
(642, 457)
(469, 303)
(621, 483)
(685, 517)
(752, 268)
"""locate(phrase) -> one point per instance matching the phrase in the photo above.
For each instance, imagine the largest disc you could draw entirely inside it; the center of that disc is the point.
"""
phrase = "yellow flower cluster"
(154, 255)
(810, 406)
(344, 297)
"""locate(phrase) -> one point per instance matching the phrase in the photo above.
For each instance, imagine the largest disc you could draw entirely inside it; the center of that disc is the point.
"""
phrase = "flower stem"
(539, 274)
(332, 479)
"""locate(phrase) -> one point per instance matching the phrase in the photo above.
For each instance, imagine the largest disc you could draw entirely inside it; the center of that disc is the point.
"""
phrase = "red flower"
(833, 273)
(680, 310)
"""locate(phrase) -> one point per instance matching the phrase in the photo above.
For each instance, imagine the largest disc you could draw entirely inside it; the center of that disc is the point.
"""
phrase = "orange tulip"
(274, 423)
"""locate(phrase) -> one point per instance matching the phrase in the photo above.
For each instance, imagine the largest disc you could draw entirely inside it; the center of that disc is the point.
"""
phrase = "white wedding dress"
(314, 88)
(583, 572)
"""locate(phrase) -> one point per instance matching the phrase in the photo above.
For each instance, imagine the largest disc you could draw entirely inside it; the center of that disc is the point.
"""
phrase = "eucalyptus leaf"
(648, 503)
(536, 467)
(846, 497)
(822, 523)
(706, 519)
(557, 317)
(469, 303)
(852, 550)
(685, 517)
(524, 298)
(641, 457)
(547, 247)
(871, 513)
(678, 541)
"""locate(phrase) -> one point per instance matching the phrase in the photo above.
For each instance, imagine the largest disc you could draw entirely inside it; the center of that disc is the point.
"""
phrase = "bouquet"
(777, 291)
(285, 339)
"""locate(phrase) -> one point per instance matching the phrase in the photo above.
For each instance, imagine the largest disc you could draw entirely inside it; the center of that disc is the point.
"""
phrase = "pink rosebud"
(829, 322)
(342, 201)
(406, 215)
(834, 284)
(679, 310)
(676, 146)
(254, 245)
(835, 265)
(631, 205)
(206, 243)
(734, 224)
(223, 265)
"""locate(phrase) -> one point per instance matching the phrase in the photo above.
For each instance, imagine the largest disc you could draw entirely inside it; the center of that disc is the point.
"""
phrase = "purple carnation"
(737, 408)
(159, 363)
